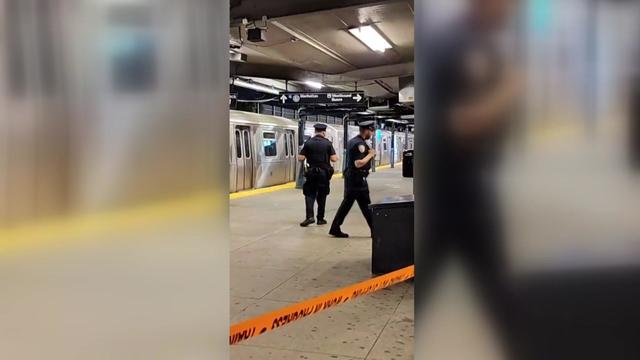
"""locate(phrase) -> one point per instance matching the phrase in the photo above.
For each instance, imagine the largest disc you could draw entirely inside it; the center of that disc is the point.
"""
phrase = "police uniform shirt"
(358, 150)
(464, 64)
(318, 151)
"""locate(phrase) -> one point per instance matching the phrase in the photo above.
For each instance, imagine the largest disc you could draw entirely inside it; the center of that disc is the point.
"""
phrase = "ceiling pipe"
(386, 87)
(295, 74)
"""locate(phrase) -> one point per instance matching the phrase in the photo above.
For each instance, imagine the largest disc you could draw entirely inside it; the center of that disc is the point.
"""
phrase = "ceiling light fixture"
(371, 37)
(314, 84)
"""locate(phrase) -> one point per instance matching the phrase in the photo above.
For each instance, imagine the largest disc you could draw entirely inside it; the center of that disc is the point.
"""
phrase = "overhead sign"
(407, 89)
(322, 98)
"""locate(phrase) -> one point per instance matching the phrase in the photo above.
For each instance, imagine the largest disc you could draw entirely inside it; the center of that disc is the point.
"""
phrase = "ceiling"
(309, 40)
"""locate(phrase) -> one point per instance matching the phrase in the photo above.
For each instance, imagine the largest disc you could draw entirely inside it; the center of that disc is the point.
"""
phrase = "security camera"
(257, 35)
(256, 32)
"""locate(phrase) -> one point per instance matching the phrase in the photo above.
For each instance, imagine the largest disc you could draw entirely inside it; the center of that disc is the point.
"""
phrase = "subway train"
(101, 102)
(263, 148)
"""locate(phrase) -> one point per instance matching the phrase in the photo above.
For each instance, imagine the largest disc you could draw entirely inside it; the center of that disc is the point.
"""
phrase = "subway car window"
(287, 145)
(269, 144)
(15, 47)
(247, 144)
(46, 41)
(25, 26)
(132, 49)
(292, 143)
(238, 145)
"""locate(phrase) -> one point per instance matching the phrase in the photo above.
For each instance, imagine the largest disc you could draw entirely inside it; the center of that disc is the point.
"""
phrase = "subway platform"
(276, 263)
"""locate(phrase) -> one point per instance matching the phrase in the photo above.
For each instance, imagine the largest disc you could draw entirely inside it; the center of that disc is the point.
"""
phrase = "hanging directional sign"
(322, 98)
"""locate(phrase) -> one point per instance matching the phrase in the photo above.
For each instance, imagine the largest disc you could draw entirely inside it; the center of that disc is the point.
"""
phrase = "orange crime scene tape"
(275, 319)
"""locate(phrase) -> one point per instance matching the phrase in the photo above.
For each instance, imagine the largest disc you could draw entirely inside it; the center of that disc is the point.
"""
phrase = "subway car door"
(248, 157)
(244, 158)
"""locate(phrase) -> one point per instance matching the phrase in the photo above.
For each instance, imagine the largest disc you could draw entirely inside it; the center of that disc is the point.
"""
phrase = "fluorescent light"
(314, 84)
(256, 86)
(371, 37)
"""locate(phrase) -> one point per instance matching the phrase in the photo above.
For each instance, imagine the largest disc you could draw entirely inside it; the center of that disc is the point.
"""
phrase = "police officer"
(359, 156)
(319, 153)
(473, 88)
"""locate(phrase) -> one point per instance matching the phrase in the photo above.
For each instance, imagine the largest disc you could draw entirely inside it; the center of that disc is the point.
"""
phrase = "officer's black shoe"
(307, 222)
(321, 222)
(338, 233)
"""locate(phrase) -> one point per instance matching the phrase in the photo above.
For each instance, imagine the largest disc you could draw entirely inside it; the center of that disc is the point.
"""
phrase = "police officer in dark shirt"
(471, 89)
(359, 156)
(319, 153)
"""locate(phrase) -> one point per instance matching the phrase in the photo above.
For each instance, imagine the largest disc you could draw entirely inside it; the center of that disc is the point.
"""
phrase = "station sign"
(322, 98)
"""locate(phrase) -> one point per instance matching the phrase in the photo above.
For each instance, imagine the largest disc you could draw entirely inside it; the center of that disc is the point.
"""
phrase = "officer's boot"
(322, 199)
(309, 200)
(307, 222)
(335, 231)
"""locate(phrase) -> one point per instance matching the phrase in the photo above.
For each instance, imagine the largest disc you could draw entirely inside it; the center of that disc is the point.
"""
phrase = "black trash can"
(392, 247)
(588, 312)
(407, 163)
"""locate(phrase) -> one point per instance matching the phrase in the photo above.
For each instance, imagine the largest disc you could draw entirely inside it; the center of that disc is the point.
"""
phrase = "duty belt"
(357, 172)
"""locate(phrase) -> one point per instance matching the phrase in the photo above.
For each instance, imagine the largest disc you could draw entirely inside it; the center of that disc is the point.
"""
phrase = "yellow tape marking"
(275, 319)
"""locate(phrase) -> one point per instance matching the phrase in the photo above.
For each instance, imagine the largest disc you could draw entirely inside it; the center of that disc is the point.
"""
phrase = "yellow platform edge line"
(289, 185)
(55, 231)
(253, 192)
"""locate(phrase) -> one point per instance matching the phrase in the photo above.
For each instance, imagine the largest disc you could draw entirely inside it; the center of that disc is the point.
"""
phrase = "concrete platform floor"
(275, 262)
(138, 291)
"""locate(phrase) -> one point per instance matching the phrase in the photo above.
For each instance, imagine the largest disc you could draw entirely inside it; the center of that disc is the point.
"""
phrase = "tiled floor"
(275, 262)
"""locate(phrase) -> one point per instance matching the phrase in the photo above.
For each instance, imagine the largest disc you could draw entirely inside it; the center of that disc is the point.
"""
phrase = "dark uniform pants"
(354, 193)
(315, 189)
(468, 224)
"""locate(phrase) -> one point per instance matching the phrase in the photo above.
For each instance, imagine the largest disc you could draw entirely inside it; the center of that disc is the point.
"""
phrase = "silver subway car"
(352, 131)
(384, 149)
(262, 150)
